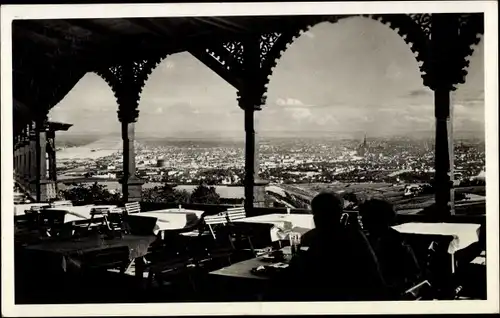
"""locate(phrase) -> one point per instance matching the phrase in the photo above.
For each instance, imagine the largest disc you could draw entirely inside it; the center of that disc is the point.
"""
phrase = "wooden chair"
(51, 222)
(132, 207)
(234, 214)
(99, 212)
(238, 233)
(421, 291)
(32, 218)
(116, 221)
(212, 221)
(178, 254)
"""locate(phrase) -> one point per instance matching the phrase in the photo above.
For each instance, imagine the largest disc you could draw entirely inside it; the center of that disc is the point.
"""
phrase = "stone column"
(16, 158)
(249, 158)
(444, 40)
(259, 188)
(27, 158)
(32, 175)
(51, 152)
(442, 154)
(131, 184)
(250, 100)
(127, 83)
(40, 161)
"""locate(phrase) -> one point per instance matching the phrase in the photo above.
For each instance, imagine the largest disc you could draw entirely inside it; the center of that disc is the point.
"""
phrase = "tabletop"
(138, 245)
(244, 268)
(463, 234)
(305, 221)
(283, 224)
(20, 208)
(77, 213)
(171, 220)
(198, 213)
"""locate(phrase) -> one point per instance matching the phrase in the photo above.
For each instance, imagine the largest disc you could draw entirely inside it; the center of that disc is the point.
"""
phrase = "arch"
(409, 30)
(182, 89)
(126, 81)
(87, 112)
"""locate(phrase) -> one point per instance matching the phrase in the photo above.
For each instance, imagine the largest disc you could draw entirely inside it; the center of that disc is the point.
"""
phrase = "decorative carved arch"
(413, 29)
(127, 80)
(471, 30)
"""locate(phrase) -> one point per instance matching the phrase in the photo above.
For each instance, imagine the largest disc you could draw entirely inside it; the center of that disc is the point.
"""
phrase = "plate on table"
(267, 270)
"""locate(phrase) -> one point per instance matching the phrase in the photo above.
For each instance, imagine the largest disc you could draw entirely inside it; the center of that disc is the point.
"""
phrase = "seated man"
(396, 258)
(338, 266)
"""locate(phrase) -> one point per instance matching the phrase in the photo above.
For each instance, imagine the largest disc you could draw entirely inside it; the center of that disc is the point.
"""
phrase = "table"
(62, 252)
(283, 224)
(198, 213)
(20, 208)
(172, 219)
(78, 213)
(243, 269)
(463, 234)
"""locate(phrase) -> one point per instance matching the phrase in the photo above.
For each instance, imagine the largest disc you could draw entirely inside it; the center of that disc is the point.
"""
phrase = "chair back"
(117, 210)
(61, 203)
(219, 218)
(213, 220)
(235, 214)
(52, 220)
(421, 291)
(344, 219)
(36, 208)
(132, 207)
(100, 211)
(115, 216)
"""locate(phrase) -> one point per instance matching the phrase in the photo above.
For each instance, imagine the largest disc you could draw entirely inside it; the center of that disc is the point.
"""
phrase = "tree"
(205, 194)
(165, 194)
(86, 194)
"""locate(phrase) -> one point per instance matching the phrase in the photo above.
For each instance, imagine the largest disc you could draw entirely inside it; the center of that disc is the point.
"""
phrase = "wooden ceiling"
(51, 56)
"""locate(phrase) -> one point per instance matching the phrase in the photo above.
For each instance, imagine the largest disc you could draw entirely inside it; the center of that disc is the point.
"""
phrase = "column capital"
(453, 37)
(127, 80)
(251, 101)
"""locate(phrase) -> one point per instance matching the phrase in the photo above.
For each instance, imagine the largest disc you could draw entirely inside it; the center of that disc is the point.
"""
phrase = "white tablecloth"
(171, 220)
(20, 208)
(283, 224)
(198, 213)
(463, 234)
(78, 213)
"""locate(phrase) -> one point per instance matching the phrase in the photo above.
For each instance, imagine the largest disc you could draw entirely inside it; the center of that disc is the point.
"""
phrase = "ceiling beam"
(147, 25)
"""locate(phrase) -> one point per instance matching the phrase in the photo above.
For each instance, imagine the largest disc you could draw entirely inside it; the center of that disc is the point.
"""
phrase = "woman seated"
(397, 261)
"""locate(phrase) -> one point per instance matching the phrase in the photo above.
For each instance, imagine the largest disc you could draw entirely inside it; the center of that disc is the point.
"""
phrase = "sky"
(357, 75)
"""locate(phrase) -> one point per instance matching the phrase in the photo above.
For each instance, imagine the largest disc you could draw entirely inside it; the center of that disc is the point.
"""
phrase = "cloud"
(299, 113)
(420, 93)
(289, 102)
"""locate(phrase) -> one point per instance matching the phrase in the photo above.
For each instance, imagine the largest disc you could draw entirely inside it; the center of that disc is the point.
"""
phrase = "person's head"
(377, 214)
(327, 208)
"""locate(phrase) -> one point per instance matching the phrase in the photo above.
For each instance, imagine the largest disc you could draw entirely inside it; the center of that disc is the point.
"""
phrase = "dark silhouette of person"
(339, 264)
(396, 258)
